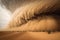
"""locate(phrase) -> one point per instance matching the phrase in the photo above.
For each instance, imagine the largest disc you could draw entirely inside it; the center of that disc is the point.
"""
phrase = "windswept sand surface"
(29, 36)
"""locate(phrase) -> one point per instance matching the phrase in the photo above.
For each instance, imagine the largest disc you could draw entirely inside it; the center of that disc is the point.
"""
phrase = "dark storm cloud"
(13, 4)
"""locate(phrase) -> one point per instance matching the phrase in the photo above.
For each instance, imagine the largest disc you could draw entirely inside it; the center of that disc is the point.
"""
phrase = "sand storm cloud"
(37, 16)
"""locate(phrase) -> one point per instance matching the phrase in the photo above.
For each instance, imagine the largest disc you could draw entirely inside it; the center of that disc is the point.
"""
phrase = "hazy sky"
(4, 16)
